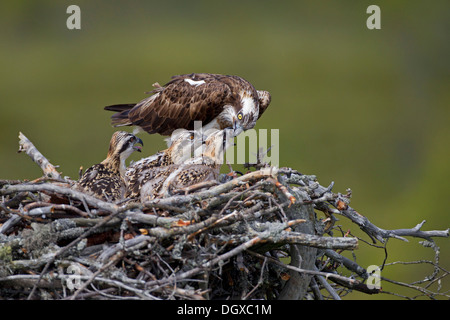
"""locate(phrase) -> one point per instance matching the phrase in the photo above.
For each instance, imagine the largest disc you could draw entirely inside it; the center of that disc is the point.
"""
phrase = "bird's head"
(245, 113)
(216, 143)
(183, 143)
(122, 145)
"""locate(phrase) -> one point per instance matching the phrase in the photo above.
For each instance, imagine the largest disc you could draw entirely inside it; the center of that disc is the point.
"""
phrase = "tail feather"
(120, 107)
(121, 117)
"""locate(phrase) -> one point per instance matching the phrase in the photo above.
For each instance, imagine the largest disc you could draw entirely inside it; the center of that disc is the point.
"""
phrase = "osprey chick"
(204, 167)
(181, 147)
(106, 180)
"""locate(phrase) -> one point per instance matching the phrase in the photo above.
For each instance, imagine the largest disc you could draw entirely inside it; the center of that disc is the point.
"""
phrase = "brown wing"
(101, 182)
(179, 103)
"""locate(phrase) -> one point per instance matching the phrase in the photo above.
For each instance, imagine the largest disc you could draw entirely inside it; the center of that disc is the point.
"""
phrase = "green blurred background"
(368, 109)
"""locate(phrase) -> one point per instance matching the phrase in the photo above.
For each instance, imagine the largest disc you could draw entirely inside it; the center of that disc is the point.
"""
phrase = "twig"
(49, 187)
(180, 200)
(328, 287)
(113, 261)
(48, 208)
(49, 170)
(70, 245)
(339, 201)
(190, 243)
(314, 241)
(260, 281)
(306, 271)
(208, 264)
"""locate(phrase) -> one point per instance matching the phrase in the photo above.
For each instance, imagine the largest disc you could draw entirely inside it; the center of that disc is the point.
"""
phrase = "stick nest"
(247, 237)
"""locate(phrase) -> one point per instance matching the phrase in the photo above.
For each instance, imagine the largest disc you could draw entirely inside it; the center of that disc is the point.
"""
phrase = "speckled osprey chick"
(106, 180)
(181, 146)
(205, 167)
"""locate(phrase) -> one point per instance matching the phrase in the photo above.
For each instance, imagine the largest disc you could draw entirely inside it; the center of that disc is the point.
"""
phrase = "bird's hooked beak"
(136, 147)
(228, 136)
(237, 128)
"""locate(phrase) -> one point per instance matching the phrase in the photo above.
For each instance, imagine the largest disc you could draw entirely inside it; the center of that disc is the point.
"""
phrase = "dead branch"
(339, 205)
(49, 170)
(210, 241)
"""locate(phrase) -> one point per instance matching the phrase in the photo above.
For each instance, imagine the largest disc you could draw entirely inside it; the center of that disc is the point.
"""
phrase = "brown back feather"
(178, 104)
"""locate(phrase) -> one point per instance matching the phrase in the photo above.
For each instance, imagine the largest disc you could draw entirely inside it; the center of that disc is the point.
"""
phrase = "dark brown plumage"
(204, 167)
(218, 101)
(106, 180)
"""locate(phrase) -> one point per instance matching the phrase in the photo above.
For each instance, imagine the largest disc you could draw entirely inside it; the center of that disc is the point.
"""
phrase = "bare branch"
(27, 146)
(209, 241)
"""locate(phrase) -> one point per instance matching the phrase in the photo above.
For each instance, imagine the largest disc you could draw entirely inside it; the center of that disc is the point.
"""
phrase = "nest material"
(262, 235)
(224, 242)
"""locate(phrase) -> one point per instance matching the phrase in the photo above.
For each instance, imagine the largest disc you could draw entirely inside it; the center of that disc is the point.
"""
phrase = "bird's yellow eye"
(239, 116)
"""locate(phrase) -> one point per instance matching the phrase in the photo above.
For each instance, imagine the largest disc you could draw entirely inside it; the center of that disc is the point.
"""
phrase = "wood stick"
(49, 170)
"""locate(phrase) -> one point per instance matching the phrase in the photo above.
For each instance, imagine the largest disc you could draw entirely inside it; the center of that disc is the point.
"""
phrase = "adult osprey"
(218, 101)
